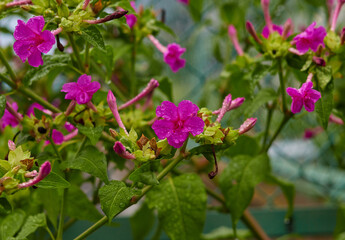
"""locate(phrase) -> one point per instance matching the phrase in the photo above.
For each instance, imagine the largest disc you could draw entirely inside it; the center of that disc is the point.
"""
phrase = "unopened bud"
(121, 151)
(11, 145)
(250, 28)
(319, 61)
(113, 133)
(342, 36)
(335, 119)
(247, 125)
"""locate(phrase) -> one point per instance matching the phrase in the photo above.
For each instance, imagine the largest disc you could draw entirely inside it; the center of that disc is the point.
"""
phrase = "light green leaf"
(51, 62)
(53, 180)
(31, 225)
(165, 85)
(239, 179)
(93, 133)
(181, 206)
(11, 224)
(144, 174)
(92, 161)
(94, 37)
(142, 222)
(324, 105)
(115, 197)
(288, 190)
(2, 105)
(51, 200)
(79, 206)
(264, 96)
(324, 76)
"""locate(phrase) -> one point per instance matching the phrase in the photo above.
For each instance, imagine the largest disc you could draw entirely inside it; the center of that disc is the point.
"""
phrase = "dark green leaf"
(11, 224)
(144, 174)
(106, 58)
(79, 206)
(241, 147)
(53, 180)
(260, 71)
(181, 206)
(115, 197)
(31, 225)
(51, 200)
(5, 206)
(2, 105)
(288, 190)
(195, 9)
(164, 27)
(264, 96)
(51, 62)
(165, 85)
(92, 161)
(142, 222)
(93, 133)
(324, 76)
(324, 105)
(238, 181)
(94, 37)
(340, 226)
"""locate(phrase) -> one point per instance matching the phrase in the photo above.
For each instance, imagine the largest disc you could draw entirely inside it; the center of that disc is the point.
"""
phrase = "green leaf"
(238, 181)
(340, 227)
(54, 62)
(79, 206)
(142, 222)
(53, 180)
(324, 76)
(31, 224)
(181, 206)
(2, 105)
(324, 105)
(115, 197)
(264, 96)
(51, 200)
(11, 224)
(93, 133)
(241, 147)
(164, 27)
(260, 71)
(5, 206)
(226, 233)
(144, 174)
(92, 161)
(288, 190)
(94, 37)
(195, 9)
(106, 58)
(165, 85)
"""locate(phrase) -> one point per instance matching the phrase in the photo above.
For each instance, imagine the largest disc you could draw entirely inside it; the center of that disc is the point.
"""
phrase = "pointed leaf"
(181, 205)
(93, 133)
(53, 180)
(31, 225)
(324, 105)
(94, 37)
(142, 222)
(2, 105)
(11, 224)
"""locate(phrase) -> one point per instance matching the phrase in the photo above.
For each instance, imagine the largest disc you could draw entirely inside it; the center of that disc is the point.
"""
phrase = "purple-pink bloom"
(81, 91)
(247, 125)
(11, 145)
(312, 132)
(177, 122)
(304, 96)
(131, 20)
(57, 137)
(121, 151)
(276, 28)
(44, 171)
(311, 38)
(8, 118)
(32, 108)
(172, 57)
(69, 127)
(184, 1)
(31, 41)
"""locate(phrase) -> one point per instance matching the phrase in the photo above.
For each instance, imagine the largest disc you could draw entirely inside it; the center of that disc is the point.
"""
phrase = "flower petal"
(84, 80)
(36, 24)
(296, 105)
(314, 95)
(23, 49)
(293, 92)
(83, 97)
(194, 125)
(177, 139)
(167, 110)
(35, 59)
(187, 109)
(49, 41)
(68, 87)
(163, 128)
(309, 105)
(22, 32)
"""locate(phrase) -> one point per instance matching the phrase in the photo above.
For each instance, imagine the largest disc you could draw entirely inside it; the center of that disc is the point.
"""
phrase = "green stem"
(75, 51)
(62, 216)
(158, 232)
(280, 128)
(133, 59)
(8, 81)
(56, 150)
(7, 66)
(69, 223)
(282, 86)
(50, 233)
(82, 145)
(105, 219)
(268, 122)
(87, 57)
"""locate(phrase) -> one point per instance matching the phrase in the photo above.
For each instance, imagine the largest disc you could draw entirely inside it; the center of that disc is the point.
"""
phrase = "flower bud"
(319, 61)
(121, 151)
(44, 171)
(336, 120)
(250, 28)
(247, 125)
(11, 145)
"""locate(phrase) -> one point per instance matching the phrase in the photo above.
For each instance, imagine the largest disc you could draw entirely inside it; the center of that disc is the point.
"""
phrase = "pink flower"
(233, 36)
(44, 171)
(177, 122)
(113, 107)
(31, 41)
(184, 1)
(81, 91)
(8, 118)
(247, 125)
(172, 57)
(304, 96)
(131, 19)
(311, 38)
(236, 103)
(171, 53)
(32, 108)
(276, 28)
(69, 127)
(11, 145)
(57, 137)
(121, 151)
(312, 132)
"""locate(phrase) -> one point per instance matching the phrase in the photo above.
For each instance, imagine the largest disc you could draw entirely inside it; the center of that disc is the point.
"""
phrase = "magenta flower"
(233, 36)
(121, 151)
(276, 28)
(57, 137)
(44, 171)
(81, 91)
(31, 41)
(311, 38)
(131, 19)
(304, 96)
(32, 108)
(69, 127)
(8, 118)
(177, 122)
(184, 1)
(172, 57)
